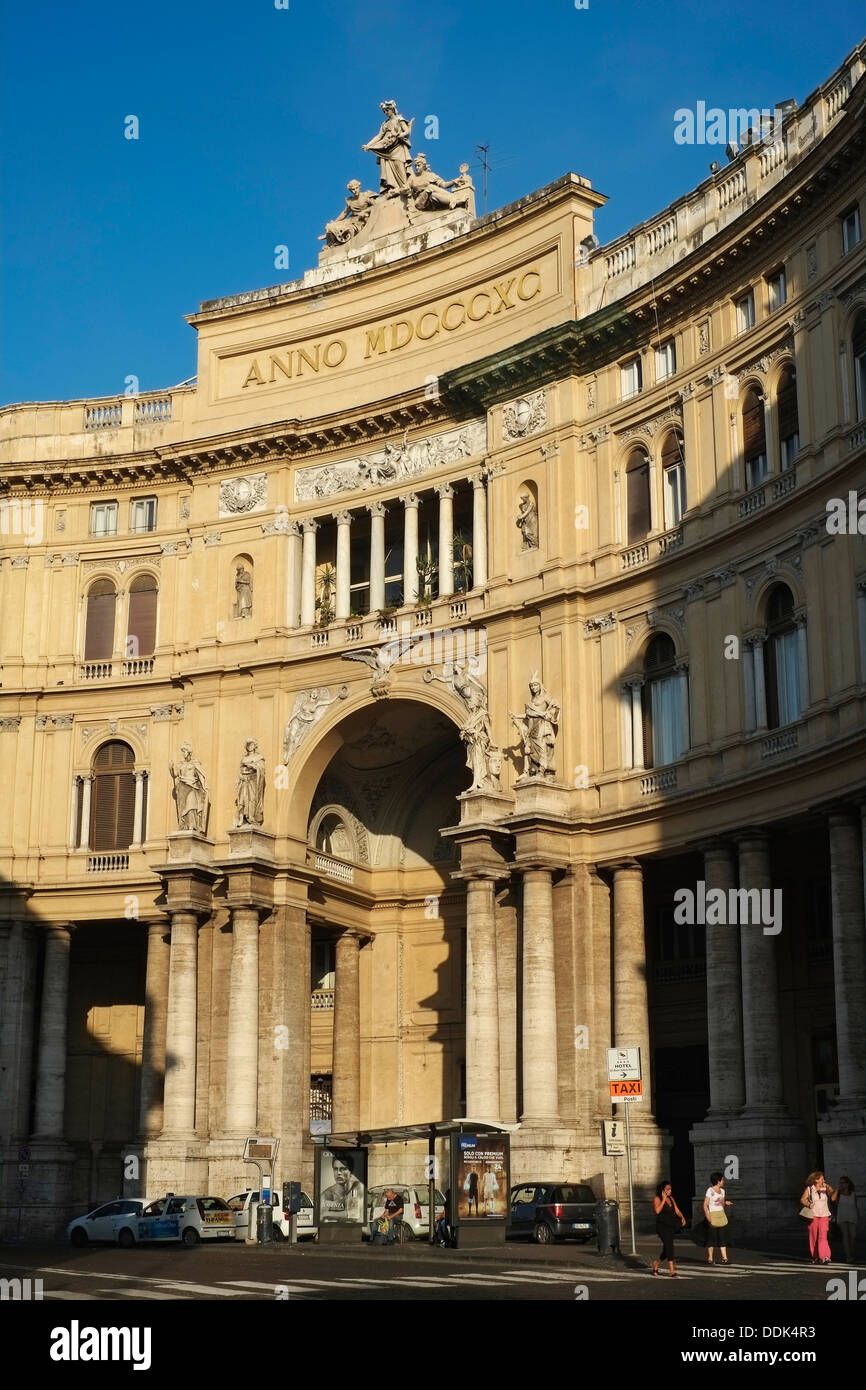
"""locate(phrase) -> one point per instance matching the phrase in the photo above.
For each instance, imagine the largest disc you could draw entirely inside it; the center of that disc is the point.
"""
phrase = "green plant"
(427, 571)
(462, 549)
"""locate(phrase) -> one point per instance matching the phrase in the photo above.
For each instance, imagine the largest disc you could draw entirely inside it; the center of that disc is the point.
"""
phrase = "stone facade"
(414, 949)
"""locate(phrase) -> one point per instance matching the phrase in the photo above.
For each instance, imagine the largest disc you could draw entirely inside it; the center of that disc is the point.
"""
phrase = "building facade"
(464, 675)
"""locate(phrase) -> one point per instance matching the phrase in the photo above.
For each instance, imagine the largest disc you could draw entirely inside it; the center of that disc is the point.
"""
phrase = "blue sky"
(251, 120)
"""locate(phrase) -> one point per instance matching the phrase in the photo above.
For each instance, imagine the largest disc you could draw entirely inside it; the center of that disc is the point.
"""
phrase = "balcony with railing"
(115, 863)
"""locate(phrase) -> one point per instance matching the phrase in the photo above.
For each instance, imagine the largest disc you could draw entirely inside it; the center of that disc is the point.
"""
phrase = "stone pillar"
(636, 686)
(802, 662)
(627, 738)
(507, 965)
(243, 1024)
(482, 1002)
(73, 813)
(344, 552)
(180, 1032)
(308, 576)
(445, 493)
(410, 547)
(849, 952)
(87, 781)
(377, 556)
(757, 644)
(762, 1036)
(479, 531)
(51, 1065)
(724, 1003)
(16, 1030)
(540, 1069)
(293, 594)
(138, 813)
(630, 1004)
(861, 621)
(153, 1041)
(347, 1034)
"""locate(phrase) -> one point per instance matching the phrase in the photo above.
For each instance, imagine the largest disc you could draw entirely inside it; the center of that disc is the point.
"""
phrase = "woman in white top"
(818, 1194)
(715, 1201)
(847, 1215)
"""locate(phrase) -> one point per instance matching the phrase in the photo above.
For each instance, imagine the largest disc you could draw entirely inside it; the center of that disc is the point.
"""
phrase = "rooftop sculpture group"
(408, 186)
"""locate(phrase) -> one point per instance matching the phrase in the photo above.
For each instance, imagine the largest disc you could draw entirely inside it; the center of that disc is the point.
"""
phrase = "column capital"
(343, 518)
(752, 834)
(443, 489)
(714, 844)
(633, 682)
(409, 499)
(479, 479)
(293, 528)
(310, 526)
(376, 508)
(60, 930)
(623, 866)
(844, 813)
(756, 638)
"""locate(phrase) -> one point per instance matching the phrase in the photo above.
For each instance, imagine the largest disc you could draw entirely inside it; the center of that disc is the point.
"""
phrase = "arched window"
(665, 718)
(99, 621)
(789, 422)
(113, 809)
(141, 621)
(754, 438)
(333, 838)
(858, 352)
(781, 659)
(638, 496)
(674, 475)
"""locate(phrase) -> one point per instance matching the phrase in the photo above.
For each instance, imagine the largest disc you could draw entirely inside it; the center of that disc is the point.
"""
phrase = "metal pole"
(630, 1189)
(431, 1173)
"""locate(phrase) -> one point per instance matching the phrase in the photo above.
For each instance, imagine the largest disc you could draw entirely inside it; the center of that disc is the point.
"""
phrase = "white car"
(240, 1205)
(187, 1219)
(102, 1223)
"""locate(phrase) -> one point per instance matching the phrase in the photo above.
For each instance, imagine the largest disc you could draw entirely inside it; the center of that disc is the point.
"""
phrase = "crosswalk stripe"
(138, 1293)
(269, 1288)
(71, 1295)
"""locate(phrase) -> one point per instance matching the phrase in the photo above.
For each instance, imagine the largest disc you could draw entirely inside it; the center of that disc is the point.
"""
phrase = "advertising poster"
(481, 1176)
(341, 1186)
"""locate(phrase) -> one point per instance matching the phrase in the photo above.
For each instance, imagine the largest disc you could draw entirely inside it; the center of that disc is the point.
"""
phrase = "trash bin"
(607, 1227)
(264, 1223)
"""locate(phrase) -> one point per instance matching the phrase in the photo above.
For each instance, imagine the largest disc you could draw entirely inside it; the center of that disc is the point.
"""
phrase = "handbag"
(807, 1213)
(718, 1218)
(384, 1226)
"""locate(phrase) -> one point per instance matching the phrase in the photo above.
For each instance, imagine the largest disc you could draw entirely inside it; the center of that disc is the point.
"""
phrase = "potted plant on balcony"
(327, 584)
(427, 571)
(462, 563)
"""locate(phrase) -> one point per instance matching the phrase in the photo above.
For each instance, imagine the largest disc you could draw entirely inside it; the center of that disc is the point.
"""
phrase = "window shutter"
(113, 808)
(142, 615)
(672, 451)
(99, 628)
(787, 399)
(637, 487)
(753, 427)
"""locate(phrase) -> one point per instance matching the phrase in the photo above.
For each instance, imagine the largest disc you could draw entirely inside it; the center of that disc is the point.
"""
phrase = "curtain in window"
(665, 715)
(785, 657)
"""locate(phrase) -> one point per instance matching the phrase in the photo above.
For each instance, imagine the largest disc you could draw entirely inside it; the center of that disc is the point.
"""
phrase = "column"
(308, 575)
(347, 1034)
(410, 547)
(762, 1037)
(724, 1002)
(139, 808)
(627, 739)
(87, 781)
(479, 531)
(861, 617)
(849, 951)
(630, 1005)
(757, 645)
(73, 812)
(445, 493)
(540, 1072)
(243, 1023)
(51, 1064)
(16, 1030)
(482, 1002)
(344, 552)
(802, 662)
(636, 686)
(153, 1041)
(293, 595)
(377, 556)
(179, 1103)
(682, 675)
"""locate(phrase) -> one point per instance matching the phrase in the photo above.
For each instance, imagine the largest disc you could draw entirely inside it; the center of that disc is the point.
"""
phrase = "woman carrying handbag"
(716, 1217)
(816, 1199)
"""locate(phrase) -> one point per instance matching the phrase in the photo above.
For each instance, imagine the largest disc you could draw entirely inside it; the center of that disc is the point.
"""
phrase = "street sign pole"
(630, 1187)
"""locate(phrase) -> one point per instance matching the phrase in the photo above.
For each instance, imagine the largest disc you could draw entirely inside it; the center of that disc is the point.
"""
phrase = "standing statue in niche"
(392, 149)
(527, 520)
(538, 730)
(250, 797)
(243, 592)
(191, 793)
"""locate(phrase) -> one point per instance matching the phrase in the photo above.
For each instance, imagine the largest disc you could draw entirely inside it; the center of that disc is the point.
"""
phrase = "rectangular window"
(745, 308)
(103, 518)
(323, 964)
(630, 378)
(850, 230)
(789, 449)
(675, 495)
(665, 712)
(142, 514)
(666, 360)
(787, 677)
(756, 471)
(777, 291)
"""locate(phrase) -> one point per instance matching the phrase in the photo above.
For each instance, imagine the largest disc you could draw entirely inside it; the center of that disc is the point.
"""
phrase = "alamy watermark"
(24, 517)
(720, 907)
(741, 125)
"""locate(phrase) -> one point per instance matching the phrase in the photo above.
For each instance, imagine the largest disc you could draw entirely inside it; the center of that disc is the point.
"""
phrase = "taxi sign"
(623, 1064)
(622, 1091)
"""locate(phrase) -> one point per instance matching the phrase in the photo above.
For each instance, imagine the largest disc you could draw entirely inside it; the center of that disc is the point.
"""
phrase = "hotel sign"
(440, 319)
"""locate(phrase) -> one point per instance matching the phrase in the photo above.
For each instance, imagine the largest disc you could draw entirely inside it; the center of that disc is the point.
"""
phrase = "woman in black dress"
(669, 1221)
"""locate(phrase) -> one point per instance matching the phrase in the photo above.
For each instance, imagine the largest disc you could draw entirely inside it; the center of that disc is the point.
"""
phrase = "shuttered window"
(113, 807)
(638, 496)
(754, 439)
(663, 738)
(789, 424)
(141, 624)
(99, 626)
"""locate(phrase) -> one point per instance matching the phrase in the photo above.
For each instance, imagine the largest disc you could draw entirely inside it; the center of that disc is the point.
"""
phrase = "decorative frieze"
(54, 721)
(764, 363)
(666, 419)
(160, 713)
(241, 495)
(10, 723)
(393, 464)
(603, 622)
(214, 539)
(130, 562)
(527, 415)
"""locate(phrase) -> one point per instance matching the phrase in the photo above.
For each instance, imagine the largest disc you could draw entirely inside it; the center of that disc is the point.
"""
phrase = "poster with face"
(481, 1176)
(341, 1184)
